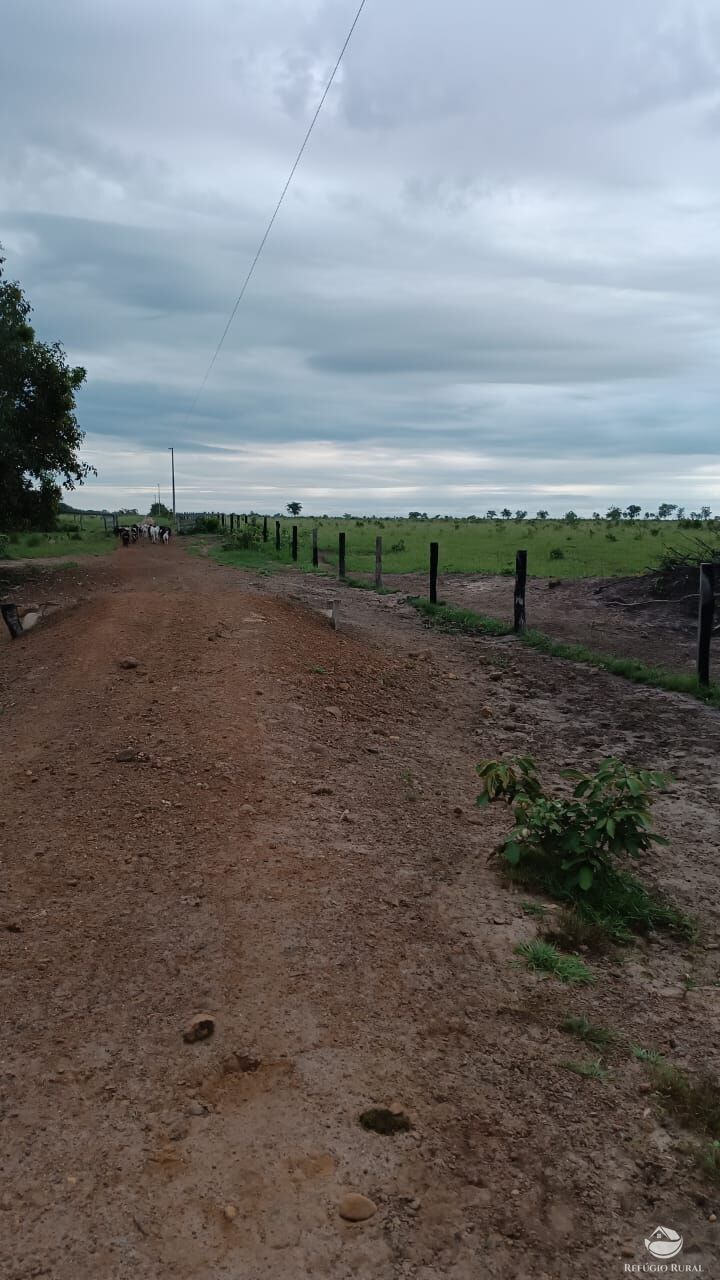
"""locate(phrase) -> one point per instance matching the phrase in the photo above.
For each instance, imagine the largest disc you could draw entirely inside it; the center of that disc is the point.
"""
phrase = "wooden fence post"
(14, 625)
(341, 555)
(265, 532)
(294, 542)
(277, 535)
(706, 615)
(520, 581)
(378, 563)
(232, 521)
(434, 556)
(222, 518)
(315, 549)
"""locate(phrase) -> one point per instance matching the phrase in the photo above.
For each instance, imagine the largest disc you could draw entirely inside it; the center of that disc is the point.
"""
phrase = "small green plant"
(574, 847)
(557, 553)
(545, 958)
(652, 1056)
(695, 1103)
(318, 671)
(601, 1037)
(574, 932)
(708, 1159)
(592, 1070)
(534, 909)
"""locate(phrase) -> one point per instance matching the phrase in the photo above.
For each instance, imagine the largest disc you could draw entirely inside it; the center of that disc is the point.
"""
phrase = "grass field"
(68, 539)
(584, 549)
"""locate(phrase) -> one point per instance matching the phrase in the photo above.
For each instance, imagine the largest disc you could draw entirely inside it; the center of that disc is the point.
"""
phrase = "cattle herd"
(134, 532)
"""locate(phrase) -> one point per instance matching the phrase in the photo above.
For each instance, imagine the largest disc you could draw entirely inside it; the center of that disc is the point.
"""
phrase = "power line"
(276, 210)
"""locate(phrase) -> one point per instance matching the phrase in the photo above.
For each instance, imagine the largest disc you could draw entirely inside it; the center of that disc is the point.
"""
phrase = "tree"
(294, 508)
(679, 512)
(157, 509)
(491, 515)
(506, 513)
(633, 511)
(571, 517)
(596, 515)
(39, 433)
(666, 509)
(520, 515)
(613, 513)
(705, 513)
(542, 515)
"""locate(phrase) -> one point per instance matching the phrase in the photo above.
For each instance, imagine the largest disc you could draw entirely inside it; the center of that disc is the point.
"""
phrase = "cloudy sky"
(495, 278)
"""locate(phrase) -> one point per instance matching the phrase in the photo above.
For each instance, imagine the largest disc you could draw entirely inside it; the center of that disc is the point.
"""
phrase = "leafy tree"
(679, 512)
(294, 508)
(520, 515)
(633, 511)
(417, 515)
(596, 515)
(542, 515)
(705, 513)
(39, 433)
(666, 509)
(506, 513)
(158, 509)
(571, 517)
(492, 515)
(613, 513)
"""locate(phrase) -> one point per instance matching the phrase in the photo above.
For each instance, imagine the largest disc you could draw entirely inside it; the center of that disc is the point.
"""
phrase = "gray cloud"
(496, 272)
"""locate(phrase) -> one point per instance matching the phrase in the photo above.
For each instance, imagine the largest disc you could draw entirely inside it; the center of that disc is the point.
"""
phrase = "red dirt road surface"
(274, 823)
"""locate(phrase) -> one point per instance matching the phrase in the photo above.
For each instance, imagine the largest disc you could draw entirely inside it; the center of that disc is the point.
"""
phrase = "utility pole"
(172, 460)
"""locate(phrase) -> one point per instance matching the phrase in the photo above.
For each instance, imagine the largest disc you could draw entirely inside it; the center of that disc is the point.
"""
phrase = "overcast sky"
(495, 279)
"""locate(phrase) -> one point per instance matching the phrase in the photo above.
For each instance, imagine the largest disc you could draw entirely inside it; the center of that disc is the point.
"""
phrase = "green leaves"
(581, 837)
(585, 877)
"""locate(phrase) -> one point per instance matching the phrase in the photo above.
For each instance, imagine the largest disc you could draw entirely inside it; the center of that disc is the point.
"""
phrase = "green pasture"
(70, 538)
(586, 548)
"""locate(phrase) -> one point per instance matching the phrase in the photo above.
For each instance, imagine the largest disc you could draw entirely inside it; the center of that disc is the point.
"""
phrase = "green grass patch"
(627, 668)
(600, 1037)
(466, 622)
(618, 904)
(445, 617)
(593, 1070)
(574, 932)
(653, 1056)
(545, 958)
(590, 548)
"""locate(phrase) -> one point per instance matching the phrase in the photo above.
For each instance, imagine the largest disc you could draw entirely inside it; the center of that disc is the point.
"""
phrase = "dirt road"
(274, 822)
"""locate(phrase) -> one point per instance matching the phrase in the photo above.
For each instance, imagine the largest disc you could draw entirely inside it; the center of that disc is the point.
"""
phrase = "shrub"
(205, 524)
(574, 847)
(397, 547)
(33, 540)
(547, 959)
(247, 538)
(557, 553)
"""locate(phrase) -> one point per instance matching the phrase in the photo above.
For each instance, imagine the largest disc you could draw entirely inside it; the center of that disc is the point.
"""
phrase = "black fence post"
(245, 519)
(277, 535)
(434, 556)
(315, 549)
(341, 555)
(519, 621)
(706, 616)
(265, 532)
(294, 542)
(232, 521)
